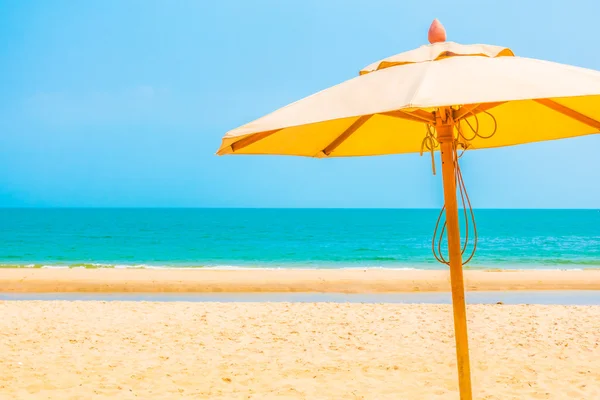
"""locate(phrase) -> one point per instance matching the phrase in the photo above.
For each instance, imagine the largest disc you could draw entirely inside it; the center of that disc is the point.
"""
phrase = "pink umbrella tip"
(437, 32)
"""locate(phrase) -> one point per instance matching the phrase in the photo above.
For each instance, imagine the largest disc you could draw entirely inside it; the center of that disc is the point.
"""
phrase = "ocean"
(288, 238)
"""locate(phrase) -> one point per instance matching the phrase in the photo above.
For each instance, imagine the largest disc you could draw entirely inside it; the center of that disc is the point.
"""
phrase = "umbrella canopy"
(444, 96)
(383, 110)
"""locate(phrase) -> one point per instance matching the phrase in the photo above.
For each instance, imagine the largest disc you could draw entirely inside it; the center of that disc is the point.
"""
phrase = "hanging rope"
(430, 142)
(476, 133)
(469, 218)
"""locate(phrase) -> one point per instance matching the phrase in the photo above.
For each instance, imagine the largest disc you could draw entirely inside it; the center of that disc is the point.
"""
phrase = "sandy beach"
(127, 350)
(30, 280)
(211, 350)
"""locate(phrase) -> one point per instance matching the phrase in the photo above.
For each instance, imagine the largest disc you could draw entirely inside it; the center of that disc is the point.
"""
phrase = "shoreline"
(26, 280)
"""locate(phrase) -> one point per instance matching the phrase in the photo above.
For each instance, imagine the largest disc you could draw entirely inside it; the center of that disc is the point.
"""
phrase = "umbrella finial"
(437, 32)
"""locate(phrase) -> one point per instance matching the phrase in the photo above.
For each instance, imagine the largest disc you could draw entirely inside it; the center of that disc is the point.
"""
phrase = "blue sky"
(124, 103)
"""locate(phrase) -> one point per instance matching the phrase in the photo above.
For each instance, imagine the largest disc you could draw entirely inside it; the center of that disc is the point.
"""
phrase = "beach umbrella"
(443, 97)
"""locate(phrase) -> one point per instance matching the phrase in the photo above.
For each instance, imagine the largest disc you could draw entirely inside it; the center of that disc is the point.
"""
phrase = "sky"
(123, 103)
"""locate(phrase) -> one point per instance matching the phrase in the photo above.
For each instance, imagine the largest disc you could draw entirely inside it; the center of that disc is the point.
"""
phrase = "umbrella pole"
(445, 137)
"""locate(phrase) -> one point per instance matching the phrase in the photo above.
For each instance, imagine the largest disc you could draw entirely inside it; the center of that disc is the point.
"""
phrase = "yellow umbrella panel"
(383, 112)
(444, 96)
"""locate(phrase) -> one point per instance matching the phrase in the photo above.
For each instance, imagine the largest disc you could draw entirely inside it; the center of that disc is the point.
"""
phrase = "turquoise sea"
(288, 238)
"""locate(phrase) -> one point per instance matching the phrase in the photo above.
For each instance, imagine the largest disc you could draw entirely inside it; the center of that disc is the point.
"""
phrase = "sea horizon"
(280, 208)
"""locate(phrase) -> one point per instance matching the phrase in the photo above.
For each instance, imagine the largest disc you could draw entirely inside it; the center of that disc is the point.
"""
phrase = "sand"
(146, 350)
(23, 280)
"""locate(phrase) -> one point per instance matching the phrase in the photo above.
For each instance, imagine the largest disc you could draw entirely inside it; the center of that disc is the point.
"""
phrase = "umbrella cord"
(430, 143)
(469, 217)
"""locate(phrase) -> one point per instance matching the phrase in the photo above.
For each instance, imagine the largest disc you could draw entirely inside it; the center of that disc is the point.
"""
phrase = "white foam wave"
(272, 268)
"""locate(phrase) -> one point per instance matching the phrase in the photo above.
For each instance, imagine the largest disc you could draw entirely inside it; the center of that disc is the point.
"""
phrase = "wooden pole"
(445, 136)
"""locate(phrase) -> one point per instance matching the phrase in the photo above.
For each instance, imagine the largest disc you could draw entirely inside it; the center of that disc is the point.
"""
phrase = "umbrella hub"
(444, 125)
